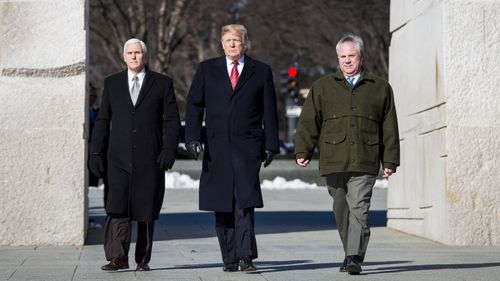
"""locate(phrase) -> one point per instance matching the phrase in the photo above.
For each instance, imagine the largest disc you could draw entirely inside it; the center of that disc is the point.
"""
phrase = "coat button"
(352, 143)
(134, 131)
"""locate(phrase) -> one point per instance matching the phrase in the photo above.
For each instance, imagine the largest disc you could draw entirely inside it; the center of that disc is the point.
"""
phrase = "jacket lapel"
(248, 71)
(223, 77)
(147, 84)
(124, 87)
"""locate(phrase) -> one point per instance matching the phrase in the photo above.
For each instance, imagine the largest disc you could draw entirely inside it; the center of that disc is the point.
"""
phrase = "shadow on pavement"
(275, 266)
(394, 269)
(173, 226)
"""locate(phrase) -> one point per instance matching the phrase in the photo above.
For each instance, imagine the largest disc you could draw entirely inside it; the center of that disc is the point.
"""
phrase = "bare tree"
(181, 33)
(126, 19)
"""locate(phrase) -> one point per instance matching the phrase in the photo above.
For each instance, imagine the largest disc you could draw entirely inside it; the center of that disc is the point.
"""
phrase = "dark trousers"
(352, 194)
(117, 234)
(236, 234)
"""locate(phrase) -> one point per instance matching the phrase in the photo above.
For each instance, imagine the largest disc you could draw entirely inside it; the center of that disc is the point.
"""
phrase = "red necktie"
(234, 74)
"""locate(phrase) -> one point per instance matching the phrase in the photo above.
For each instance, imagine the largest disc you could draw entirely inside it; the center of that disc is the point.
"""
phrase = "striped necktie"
(234, 74)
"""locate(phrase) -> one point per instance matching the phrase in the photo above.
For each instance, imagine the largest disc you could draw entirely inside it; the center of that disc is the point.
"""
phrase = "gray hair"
(240, 29)
(135, 40)
(351, 38)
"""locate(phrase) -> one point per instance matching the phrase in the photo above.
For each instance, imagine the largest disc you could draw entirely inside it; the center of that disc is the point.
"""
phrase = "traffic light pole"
(292, 119)
(290, 88)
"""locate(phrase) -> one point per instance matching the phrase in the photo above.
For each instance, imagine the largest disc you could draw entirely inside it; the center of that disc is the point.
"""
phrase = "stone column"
(444, 68)
(42, 101)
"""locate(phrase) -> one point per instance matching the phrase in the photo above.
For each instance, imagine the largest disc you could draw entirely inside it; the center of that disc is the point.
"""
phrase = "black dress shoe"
(343, 266)
(246, 264)
(142, 267)
(353, 266)
(230, 267)
(115, 264)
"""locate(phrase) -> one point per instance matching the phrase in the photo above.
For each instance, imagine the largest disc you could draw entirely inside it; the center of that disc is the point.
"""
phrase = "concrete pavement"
(296, 238)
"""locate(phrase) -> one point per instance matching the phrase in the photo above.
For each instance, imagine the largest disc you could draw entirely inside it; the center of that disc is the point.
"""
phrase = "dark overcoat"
(240, 125)
(134, 137)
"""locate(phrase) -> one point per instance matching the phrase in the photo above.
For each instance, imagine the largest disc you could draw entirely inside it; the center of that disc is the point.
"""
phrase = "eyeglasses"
(235, 41)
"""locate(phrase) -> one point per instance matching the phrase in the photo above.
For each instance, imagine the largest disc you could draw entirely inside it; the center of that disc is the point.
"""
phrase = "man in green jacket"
(351, 117)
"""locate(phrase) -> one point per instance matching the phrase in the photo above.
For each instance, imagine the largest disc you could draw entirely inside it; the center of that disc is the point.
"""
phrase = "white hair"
(135, 40)
(351, 38)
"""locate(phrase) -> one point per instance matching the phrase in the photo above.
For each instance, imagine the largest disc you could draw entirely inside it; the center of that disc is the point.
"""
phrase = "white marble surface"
(444, 71)
(42, 112)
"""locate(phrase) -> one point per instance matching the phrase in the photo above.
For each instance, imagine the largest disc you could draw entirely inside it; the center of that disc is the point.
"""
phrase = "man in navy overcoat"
(236, 94)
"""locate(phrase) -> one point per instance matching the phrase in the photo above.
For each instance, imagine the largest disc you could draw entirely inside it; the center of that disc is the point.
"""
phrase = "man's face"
(349, 59)
(134, 57)
(233, 45)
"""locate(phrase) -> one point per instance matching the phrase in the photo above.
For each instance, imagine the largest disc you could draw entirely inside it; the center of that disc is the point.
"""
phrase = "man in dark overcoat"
(138, 125)
(351, 117)
(237, 95)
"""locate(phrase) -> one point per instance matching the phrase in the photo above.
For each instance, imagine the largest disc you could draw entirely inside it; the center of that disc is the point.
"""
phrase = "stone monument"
(42, 101)
(444, 69)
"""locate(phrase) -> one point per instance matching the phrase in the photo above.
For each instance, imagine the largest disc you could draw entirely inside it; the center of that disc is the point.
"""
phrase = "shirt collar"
(139, 75)
(241, 60)
(355, 76)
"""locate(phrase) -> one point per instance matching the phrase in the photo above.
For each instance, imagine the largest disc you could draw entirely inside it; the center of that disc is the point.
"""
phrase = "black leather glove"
(166, 159)
(195, 148)
(96, 165)
(268, 158)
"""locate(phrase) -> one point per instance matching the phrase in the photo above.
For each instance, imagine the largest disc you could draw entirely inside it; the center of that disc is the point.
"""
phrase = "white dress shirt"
(229, 64)
(139, 75)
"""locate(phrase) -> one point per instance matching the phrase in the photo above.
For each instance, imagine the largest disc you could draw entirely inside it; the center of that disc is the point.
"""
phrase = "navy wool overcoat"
(240, 125)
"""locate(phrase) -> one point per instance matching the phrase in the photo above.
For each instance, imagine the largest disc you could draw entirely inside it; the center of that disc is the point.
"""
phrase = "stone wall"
(42, 101)
(444, 67)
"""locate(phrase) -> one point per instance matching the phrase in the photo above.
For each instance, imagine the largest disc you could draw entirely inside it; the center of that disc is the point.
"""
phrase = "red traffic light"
(292, 72)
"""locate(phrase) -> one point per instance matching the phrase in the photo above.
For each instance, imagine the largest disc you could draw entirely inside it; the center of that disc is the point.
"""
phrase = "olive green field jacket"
(355, 129)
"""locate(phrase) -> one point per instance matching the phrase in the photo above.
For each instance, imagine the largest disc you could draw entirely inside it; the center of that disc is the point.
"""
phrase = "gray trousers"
(352, 192)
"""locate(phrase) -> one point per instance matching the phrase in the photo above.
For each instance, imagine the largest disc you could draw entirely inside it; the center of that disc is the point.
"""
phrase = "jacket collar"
(248, 71)
(365, 76)
(146, 85)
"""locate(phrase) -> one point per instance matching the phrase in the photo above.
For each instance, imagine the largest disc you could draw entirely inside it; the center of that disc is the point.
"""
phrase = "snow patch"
(175, 180)
(282, 183)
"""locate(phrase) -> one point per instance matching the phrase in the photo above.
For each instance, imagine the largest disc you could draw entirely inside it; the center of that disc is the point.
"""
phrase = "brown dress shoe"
(115, 264)
(143, 267)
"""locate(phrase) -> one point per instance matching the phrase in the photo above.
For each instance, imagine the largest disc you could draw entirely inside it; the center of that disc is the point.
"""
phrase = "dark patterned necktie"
(351, 81)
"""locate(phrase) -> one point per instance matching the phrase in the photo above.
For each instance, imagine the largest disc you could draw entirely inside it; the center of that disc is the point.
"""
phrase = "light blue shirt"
(356, 77)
